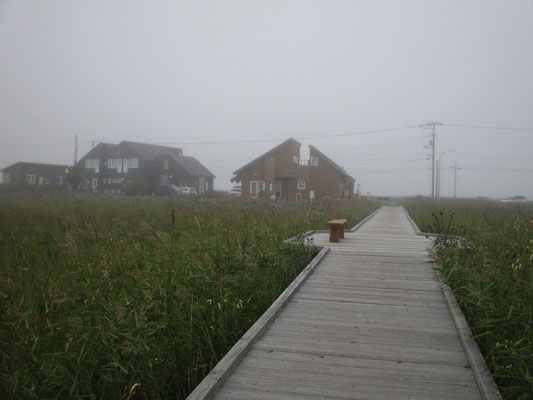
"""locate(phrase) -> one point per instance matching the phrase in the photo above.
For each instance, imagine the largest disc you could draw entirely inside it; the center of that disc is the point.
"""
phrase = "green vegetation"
(486, 254)
(121, 297)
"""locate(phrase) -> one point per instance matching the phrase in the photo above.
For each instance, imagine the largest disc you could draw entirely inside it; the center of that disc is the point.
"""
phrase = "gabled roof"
(151, 151)
(193, 166)
(102, 149)
(40, 166)
(331, 162)
(266, 155)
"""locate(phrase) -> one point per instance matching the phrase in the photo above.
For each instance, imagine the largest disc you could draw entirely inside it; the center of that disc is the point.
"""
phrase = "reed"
(134, 298)
(485, 255)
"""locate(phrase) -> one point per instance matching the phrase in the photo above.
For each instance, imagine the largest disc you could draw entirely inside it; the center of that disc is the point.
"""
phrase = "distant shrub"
(137, 186)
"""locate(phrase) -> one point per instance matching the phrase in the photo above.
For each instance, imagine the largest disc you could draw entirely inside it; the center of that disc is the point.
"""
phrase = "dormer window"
(165, 164)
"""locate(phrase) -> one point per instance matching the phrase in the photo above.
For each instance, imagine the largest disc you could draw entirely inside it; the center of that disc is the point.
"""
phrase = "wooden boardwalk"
(369, 322)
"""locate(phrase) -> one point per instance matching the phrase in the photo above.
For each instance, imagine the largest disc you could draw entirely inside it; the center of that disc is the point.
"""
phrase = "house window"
(270, 187)
(301, 184)
(295, 159)
(314, 161)
(206, 186)
(30, 178)
(113, 163)
(165, 164)
(59, 179)
(298, 196)
(311, 194)
(132, 162)
(256, 187)
(93, 164)
(7, 178)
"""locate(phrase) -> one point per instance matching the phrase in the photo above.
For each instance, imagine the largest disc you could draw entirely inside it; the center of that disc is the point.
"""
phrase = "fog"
(196, 73)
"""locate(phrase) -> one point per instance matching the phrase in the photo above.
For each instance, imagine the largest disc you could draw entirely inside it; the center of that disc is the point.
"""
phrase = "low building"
(35, 174)
(110, 167)
(280, 173)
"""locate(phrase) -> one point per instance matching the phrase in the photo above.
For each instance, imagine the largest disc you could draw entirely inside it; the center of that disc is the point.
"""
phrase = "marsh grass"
(486, 253)
(115, 297)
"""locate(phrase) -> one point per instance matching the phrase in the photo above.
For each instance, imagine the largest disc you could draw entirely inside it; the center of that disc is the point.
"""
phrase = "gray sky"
(203, 71)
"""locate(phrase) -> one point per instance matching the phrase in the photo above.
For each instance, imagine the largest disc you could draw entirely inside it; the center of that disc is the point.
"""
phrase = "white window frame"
(314, 162)
(132, 162)
(311, 194)
(113, 163)
(298, 196)
(165, 164)
(59, 179)
(93, 163)
(31, 178)
(295, 159)
(300, 184)
(253, 194)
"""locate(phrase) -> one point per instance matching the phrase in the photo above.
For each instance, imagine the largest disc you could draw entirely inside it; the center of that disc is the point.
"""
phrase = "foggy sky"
(201, 71)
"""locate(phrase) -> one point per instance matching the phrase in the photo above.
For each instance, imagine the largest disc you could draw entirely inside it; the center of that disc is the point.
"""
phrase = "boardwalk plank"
(370, 322)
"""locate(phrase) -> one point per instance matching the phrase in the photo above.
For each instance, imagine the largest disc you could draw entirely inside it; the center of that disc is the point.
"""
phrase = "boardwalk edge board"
(487, 386)
(223, 369)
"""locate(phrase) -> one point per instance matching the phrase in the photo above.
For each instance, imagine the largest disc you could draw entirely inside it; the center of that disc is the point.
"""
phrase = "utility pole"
(433, 170)
(455, 180)
(433, 174)
(76, 149)
(437, 186)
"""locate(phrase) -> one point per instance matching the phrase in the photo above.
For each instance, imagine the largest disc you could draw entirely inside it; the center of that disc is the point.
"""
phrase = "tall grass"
(113, 297)
(486, 254)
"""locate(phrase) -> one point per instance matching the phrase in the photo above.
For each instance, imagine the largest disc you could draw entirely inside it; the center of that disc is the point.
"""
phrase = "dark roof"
(151, 151)
(41, 166)
(193, 166)
(266, 155)
(100, 150)
(331, 162)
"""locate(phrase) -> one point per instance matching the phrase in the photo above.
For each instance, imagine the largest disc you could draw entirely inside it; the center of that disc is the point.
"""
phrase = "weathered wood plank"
(369, 323)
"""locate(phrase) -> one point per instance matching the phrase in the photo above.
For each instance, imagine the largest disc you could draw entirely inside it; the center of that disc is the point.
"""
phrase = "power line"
(25, 146)
(298, 138)
(489, 127)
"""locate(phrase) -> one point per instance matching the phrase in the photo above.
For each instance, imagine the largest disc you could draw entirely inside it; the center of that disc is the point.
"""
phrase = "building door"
(41, 180)
(201, 185)
(278, 189)
(95, 183)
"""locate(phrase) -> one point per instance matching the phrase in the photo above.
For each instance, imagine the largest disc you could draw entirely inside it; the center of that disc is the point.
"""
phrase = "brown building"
(35, 174)
(281, 174)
